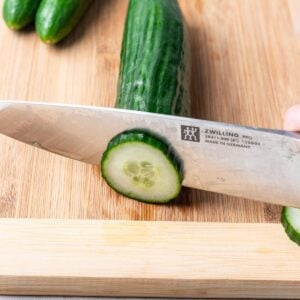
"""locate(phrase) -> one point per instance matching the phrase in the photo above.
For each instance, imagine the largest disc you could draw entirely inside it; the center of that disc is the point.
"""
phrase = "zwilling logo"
(190, 133)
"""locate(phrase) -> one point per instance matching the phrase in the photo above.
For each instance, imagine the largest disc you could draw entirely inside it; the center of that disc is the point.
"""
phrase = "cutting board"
(245, 70)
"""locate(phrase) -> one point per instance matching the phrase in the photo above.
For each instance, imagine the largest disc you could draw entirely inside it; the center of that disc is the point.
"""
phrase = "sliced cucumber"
(140, 166)
(154, 77)
(290, 219)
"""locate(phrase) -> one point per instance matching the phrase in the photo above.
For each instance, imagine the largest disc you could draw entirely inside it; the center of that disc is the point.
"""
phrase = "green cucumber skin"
(154, 73)
(19, 13)
(292, 234)
(141, 136)
(55, 19)
(154, 70)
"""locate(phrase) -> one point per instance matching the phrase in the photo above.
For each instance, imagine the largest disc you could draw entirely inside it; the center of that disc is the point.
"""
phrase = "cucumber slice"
(142, 167)
(154, 77)
(290, 219)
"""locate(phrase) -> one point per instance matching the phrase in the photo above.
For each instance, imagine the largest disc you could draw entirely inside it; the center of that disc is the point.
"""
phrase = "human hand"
(292, 119)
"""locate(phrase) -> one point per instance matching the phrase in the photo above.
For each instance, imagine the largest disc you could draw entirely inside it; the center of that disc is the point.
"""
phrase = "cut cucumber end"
(290, 219)
(142, 167)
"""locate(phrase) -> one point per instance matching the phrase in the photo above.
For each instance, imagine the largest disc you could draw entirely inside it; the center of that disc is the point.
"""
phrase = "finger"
(292, 118)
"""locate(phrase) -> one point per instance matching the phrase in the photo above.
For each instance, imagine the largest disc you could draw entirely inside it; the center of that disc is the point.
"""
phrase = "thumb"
(292, 118)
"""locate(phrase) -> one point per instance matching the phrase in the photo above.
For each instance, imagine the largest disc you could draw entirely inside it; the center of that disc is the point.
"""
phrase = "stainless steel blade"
(234, 160)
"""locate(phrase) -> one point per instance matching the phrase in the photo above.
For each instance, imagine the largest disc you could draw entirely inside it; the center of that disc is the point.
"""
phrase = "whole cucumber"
(55, 19)
(19, 13)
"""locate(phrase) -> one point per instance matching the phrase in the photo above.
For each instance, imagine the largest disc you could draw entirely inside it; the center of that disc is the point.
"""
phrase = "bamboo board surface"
(245, 70)
(172, 259)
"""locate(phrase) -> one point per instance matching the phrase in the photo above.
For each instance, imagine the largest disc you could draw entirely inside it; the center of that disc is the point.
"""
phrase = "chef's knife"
(248, 162)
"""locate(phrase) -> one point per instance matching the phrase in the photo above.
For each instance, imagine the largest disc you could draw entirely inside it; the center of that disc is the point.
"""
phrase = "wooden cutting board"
(245, 70)
(245, 58)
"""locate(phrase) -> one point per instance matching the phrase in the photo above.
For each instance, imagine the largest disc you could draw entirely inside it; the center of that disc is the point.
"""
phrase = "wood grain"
(245, 70)
(124, 258)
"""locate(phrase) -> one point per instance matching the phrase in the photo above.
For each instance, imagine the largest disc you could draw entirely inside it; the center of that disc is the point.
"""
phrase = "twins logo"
(190, 133)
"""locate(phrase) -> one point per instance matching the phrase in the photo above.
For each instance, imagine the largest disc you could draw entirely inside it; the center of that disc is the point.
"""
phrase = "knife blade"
(253, 163)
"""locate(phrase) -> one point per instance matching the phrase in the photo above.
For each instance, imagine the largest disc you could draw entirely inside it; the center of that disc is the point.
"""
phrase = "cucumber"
(140, 166)
(290, 219)
(55, 19)
(19, 13)
(154, 72)
(154, 77)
